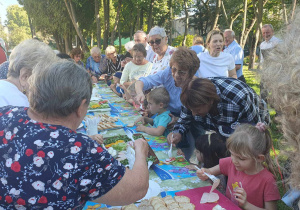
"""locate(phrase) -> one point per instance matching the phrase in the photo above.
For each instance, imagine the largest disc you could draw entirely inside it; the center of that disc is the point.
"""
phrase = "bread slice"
(187, 206)
(173, 205)
(182, 199)
(130, 207)
(145, 207)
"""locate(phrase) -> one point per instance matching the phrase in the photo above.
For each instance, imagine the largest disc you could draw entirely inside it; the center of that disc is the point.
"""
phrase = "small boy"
(115, 86)
(158, 101)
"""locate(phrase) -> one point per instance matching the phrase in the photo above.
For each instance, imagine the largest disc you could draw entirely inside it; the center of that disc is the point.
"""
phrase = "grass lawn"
(253, 81)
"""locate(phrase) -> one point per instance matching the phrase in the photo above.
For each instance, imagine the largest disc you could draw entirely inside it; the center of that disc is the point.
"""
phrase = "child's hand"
(98, 138)
(201, 175)
(241, 196)
(141, 128)
(141, 119)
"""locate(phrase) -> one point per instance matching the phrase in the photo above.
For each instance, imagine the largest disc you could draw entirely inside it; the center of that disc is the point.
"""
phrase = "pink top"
(260, 187)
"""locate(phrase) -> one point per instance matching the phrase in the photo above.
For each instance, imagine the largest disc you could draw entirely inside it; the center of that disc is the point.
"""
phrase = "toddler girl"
(250, 184)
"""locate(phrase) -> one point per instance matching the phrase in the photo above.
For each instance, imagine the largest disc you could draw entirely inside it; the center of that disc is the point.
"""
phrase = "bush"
(178, 41)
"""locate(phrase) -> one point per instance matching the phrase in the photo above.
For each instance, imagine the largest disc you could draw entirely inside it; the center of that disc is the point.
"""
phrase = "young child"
(158, 101)
(210, 148)
(115, 86)
(250, 184)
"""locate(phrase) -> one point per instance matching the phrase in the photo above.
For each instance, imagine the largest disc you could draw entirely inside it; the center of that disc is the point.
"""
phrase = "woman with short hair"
(214, 62)
(23, 58)
(48, 162)
(136, 68)
(158, 40)
(76, 54)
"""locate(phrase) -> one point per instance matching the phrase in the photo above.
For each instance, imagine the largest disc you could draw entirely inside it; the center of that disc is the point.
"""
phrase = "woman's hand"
(141, 128)
(141, 147)
(241, 196)
(201, 175)
(175, 139)
(173, 122)
(98, 138)
(140, 119)
(94, 79)
(140, 97)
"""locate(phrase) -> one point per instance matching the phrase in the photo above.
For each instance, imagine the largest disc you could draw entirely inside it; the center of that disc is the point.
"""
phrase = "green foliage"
(18, 25)
(178, 40)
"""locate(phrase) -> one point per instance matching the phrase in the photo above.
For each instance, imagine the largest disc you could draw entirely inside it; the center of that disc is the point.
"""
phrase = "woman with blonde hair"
(214, 62)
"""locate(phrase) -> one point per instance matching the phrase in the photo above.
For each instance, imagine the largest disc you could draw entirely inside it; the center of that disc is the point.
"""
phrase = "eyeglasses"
(157, 42)
(179, 72)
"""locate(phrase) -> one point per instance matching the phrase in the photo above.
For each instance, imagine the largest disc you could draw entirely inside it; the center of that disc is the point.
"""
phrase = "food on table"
(99, 105)
(209, 197)
(130, 207)
(218, 207)
(112, 152)
(235, 185)
(169, 160)
(107, 122)
(182, 199)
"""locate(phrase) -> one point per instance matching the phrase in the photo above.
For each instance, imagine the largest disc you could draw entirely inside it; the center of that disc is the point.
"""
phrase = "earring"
(24, 91)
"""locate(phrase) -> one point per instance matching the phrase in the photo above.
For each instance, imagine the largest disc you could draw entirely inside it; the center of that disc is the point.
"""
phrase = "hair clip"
(261, 126)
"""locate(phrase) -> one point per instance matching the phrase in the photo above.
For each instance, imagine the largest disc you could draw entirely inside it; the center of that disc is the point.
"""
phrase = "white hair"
(157, 31)
(95, 50)
(109, 49)
(268, 25)
(141, 32)
(129, 45)
(27, 54)
(231, 31)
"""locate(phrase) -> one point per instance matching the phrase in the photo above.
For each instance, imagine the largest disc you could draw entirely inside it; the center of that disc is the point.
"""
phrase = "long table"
(170, 177)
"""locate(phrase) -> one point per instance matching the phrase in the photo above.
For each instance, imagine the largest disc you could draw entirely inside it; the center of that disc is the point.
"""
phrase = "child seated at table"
(250, 184)
(158, 100)
(115, 86)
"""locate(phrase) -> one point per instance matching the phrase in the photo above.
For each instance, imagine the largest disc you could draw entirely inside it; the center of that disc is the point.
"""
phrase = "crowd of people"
(183, 93)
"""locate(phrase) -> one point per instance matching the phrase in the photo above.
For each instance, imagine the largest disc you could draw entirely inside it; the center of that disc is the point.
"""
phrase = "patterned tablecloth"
(172, 176)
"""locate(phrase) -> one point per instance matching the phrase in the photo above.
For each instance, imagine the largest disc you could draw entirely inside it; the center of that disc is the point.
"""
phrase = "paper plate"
(153, 190)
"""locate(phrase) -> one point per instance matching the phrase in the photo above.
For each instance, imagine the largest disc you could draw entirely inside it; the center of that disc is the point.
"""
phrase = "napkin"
(91, 125)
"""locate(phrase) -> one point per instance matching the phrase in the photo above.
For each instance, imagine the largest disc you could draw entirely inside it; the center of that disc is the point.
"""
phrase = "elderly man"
(233, 48)
(270, 41)
(141, 37)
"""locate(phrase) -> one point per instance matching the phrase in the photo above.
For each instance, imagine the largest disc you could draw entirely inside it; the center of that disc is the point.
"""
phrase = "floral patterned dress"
(45, 166)
(162, 64)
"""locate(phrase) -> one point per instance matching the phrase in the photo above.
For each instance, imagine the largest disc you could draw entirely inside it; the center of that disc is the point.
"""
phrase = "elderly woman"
(218, 104)
(137, 67)
(23, 58)
(158, 40)
(95, 64)
(76, 54)
(183, 66)
(127, 57)
(61, 169)
(114, 60)
(214, 62)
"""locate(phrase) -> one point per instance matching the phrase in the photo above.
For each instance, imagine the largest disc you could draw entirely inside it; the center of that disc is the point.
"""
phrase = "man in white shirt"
(141, 37)
(270, 41)
(237, 52)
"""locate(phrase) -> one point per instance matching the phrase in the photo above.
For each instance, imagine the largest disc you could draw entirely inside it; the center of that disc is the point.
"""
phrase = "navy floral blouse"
(45, 166)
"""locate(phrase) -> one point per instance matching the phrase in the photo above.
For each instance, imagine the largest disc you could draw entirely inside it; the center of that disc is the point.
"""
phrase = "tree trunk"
(214, 26)
(138, 27)
(142, 19)
(98, 23)
(67, 43)
(57, 41)
(116, 23)
(150, 16)
(106, 23)
(131, 30)
(31, 27)
(120, 38)
(186, 28)
(284, 15)
(293, 10)
(170, 22)
(72, 15)
(244, 22)
(225, 13)
(253, 50)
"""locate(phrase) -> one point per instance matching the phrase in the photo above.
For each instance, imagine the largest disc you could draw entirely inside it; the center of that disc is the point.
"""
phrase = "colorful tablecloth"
(173, 176)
